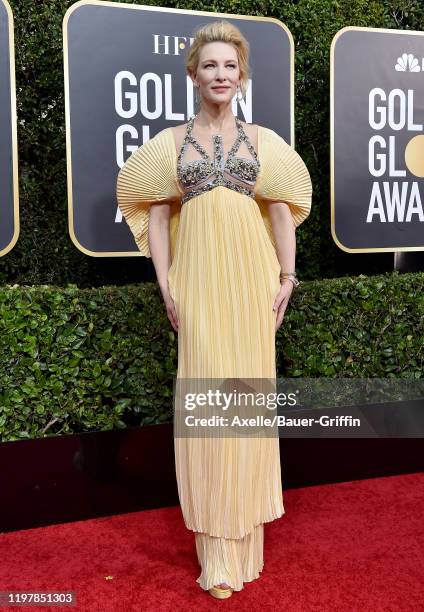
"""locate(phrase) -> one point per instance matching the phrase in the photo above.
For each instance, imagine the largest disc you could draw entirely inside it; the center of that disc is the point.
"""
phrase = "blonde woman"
(215, 203)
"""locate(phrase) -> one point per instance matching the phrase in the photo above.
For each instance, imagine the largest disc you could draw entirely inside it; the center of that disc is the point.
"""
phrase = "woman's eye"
(229, 65)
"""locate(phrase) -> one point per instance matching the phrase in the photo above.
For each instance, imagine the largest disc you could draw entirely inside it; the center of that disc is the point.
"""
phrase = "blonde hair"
(221, 31)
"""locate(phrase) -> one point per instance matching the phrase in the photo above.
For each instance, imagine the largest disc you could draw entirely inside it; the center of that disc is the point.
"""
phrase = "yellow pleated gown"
(223, 279)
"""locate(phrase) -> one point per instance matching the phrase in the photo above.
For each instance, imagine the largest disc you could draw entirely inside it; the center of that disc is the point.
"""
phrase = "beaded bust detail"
(202, 175)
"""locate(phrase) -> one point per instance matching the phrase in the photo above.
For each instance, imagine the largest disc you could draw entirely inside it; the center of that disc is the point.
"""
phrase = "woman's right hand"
(171, 310)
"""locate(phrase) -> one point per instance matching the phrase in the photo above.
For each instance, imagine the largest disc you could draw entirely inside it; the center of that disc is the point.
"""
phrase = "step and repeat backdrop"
(125, 80)
(9, 198)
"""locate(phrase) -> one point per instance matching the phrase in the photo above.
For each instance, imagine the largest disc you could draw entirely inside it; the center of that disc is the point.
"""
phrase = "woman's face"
(218, 72)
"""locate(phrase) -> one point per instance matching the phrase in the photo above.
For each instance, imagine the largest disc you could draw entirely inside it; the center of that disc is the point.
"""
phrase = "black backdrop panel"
(378, 109)
(9, 221)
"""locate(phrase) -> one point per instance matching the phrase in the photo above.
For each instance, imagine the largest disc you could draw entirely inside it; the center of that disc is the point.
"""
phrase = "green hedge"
(45, 254)
(77, 360)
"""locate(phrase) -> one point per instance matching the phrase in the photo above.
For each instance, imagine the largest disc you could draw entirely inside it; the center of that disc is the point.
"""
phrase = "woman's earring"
(239, 97)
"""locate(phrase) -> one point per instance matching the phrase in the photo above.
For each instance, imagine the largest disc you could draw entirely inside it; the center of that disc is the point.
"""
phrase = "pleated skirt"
(223, 279)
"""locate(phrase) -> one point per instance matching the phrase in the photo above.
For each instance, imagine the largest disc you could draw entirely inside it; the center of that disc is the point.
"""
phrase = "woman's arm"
(159, 242)
(284, 231)
(160, 250)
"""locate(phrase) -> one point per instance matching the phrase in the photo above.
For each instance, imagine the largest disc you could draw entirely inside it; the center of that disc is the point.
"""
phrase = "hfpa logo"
(408, 63)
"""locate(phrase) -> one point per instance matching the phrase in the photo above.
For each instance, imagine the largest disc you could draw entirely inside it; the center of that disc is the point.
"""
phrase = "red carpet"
(355, 546)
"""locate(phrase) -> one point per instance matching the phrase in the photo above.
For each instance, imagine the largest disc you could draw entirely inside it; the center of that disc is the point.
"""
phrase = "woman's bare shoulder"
(251, 130)
(181, 128)
(178, 132)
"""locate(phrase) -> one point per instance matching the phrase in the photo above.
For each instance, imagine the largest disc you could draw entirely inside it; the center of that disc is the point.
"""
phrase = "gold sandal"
(220, 593)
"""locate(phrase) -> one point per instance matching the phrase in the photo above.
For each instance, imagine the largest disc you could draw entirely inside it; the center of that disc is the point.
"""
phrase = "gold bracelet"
(291, 276)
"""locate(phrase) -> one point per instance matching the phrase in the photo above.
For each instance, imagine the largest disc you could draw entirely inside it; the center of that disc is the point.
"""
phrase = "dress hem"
(218, 535)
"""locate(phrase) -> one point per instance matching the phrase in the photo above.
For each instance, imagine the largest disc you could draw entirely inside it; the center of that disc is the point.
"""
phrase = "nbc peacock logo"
(407, 63)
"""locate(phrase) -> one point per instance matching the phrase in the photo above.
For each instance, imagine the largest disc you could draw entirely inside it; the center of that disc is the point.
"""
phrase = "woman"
(215, 203)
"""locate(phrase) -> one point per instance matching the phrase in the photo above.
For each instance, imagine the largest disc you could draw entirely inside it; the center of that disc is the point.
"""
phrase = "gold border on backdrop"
(13, 128)
(333, 230)
(68, 13)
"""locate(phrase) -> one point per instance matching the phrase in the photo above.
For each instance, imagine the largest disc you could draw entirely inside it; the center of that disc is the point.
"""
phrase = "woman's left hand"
(281, 301)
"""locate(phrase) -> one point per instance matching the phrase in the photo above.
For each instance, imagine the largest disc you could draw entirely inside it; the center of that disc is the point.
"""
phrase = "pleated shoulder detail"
(148, 177)
(283, 177)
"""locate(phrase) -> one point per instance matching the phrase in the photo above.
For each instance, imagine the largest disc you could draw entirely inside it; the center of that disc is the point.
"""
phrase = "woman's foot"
(221, 591)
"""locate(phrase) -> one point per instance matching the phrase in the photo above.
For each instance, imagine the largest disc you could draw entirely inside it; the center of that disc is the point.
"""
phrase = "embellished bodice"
(200, 175)
(152, 175)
